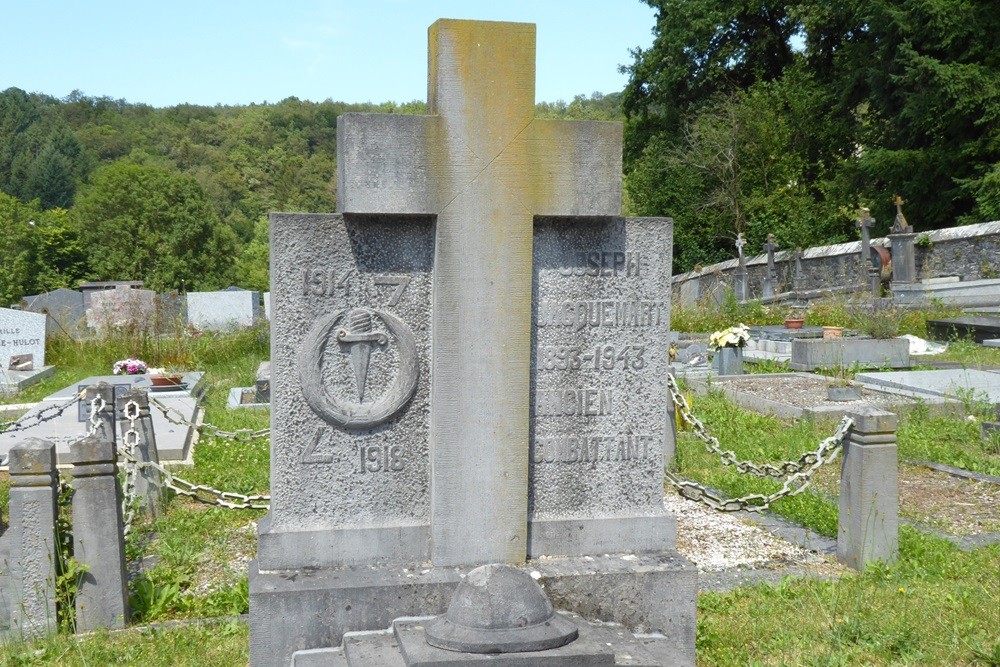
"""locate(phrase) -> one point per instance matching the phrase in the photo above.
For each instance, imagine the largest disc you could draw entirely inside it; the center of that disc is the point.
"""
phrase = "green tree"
(49, 179)
(253, 266)
(146, 223)
(40, 250)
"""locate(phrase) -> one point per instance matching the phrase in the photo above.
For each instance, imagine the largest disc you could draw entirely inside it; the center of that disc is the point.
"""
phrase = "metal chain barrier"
(240, 435)
(43, 415)
(130, 441)
(96, 405)
(200, 492)
(799, 473)
(728, 456)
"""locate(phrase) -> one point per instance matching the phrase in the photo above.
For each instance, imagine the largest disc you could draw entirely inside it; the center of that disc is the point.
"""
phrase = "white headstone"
(225, 310)
(21, 332)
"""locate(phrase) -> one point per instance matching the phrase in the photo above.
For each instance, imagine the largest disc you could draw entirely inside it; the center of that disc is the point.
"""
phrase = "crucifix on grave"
(902, 239)
(799, 278)
(484, 167)
(770, 280)
(740, 277)
(900, 225)
(865, 222)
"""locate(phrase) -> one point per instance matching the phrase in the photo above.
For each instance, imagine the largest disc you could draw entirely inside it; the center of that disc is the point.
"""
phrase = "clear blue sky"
(228, 52)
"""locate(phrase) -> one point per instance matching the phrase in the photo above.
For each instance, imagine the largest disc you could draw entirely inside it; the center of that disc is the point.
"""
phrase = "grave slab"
(174, 442)
(788, 395)
(952, 383)
(12, 382)
(810, 354)
(992, 342)
(979, 328)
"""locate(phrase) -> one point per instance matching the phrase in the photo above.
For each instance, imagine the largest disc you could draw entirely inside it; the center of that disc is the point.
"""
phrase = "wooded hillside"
(754, 117)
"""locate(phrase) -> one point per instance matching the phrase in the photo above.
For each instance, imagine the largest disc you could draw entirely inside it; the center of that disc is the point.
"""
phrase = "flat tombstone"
(21, 333)
(225, 310)
(350, 366)
(599, 357)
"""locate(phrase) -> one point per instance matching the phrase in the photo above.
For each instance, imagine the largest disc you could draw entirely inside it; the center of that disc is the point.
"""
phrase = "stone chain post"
(98, 541)
(31, 537)
(106, 416)
(148, 481)
(868, 526)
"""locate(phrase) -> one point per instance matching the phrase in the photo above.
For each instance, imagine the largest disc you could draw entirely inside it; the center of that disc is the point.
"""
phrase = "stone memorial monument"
(740, 276)
(771, 277)
(902, 237)
(468, 368)
(122, 306)
(21, 333)
(869, 263)
(64, 308)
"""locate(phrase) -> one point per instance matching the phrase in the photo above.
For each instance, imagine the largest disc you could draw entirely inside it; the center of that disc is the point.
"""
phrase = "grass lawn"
(937, 605)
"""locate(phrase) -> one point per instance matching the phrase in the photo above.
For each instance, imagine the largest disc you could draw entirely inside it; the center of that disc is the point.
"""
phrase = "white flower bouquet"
(736, 336)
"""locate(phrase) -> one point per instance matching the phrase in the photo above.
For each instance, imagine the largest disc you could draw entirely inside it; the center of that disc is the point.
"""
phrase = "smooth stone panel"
(952, 382)
(224, 310)
(810, 354)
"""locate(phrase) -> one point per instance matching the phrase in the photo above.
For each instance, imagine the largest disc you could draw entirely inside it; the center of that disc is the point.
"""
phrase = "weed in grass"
(975, 402)
(766, 366)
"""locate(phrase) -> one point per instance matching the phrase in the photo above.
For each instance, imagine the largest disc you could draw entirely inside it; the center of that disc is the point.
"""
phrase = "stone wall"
(971, 251)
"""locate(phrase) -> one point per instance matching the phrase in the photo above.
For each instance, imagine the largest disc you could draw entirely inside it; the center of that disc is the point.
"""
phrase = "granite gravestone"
(63, 306)
(21, 333)
(225, 310)
(401, 458)
(122, 306)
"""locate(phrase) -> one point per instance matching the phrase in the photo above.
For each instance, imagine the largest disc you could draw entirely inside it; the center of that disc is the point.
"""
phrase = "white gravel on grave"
(716, 541)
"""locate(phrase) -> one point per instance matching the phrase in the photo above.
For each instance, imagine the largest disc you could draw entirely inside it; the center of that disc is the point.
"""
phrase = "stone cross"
(770, 247)
(865, 222)
(799, 277)
(900, 226)
(484, 167)
(740, 242)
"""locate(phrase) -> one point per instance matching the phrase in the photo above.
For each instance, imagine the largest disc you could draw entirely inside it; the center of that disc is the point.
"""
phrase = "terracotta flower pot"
(793, 324)
(169, 380)
(833, 332)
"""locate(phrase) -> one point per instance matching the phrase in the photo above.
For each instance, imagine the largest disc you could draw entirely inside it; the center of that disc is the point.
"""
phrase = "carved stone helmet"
(499, 609)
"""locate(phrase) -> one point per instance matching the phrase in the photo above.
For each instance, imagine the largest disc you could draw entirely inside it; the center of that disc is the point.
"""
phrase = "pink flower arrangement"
(129, 367)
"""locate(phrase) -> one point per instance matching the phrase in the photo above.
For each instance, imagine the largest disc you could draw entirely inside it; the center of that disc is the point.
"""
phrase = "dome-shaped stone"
(499, 609)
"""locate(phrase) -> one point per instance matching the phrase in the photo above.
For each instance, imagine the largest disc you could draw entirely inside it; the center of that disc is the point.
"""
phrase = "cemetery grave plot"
(979, 328)
(799, 395)
(937, 500)
(175, 441)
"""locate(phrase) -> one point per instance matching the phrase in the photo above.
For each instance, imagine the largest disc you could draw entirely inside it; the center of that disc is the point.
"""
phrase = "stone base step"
(404, 645)
(292, 611)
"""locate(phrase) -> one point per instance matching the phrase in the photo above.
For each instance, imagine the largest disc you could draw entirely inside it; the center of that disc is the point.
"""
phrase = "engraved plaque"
(600, 332)
(349, 386)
